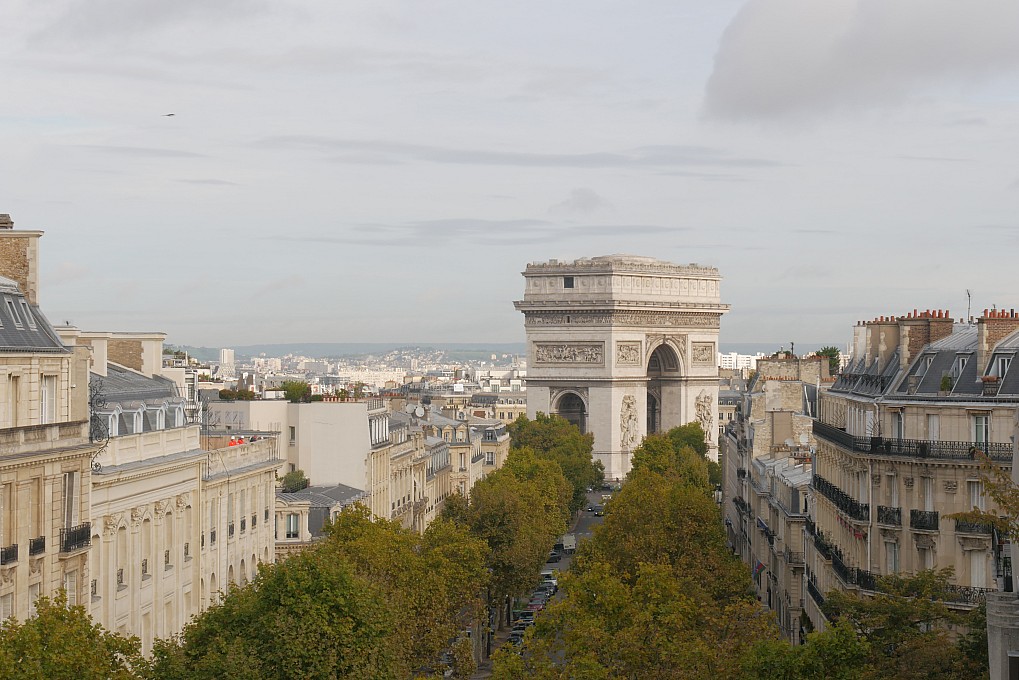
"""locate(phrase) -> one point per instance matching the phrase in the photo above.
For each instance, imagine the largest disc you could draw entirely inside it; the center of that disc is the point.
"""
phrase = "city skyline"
(365, 172)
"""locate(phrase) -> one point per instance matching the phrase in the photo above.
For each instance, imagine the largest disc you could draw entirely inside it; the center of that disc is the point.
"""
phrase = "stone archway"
(571, 406)
(664, 396)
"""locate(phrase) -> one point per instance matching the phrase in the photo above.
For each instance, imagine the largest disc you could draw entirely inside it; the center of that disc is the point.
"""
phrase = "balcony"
(741, 473)
(9, 554)
(792, 557)
(966, 594)
(923, 520)
(741, 505)
(889, 516)
(963, 527)
(815, 593)
(851, 507)
(810, 526)
(76, 538)
(912, 448)
(37, 546)
(823, 546)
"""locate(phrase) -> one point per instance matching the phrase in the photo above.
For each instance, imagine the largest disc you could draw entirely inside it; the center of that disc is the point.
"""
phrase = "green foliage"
(655, 592)
(237, 395)
(554, 438)
(294, 481)
(372, 600)
(296, 391)
(946, 383)
(838, 653)
(909, 631)
(63, 642)
(834, 357)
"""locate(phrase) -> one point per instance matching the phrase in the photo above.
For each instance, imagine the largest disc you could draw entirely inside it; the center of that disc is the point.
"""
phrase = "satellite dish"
(419, 412)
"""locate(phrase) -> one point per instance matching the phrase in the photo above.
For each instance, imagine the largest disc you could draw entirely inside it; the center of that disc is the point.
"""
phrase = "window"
(976, 494)
(13, 396)
(978, 568)
(293, 434)
(891, 482)
(897, 425)
(958, 366)
(293, 530)
(7, 606)
(981, 428)
(891, 557)
(29, 317)
(33, 595)
(490, 458)
(48, 399)
(567, 282)
(927, 493)
(1002, 366)
(933, 426)
(14, 313)
(70, 499)
(71, 586)
(926, 558)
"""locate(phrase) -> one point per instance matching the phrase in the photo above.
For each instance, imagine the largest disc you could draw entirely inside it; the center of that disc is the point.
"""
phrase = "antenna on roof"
(969, 303)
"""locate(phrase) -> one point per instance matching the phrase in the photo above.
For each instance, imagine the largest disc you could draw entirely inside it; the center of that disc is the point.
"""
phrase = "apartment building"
(897, 437)
(766, 456)
(45, 445)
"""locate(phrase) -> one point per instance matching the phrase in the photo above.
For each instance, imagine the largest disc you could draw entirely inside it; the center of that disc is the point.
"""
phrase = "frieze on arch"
(569, 353)
(648, 318)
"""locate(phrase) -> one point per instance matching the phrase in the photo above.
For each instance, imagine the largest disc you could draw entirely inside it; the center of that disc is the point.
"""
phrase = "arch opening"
(571, 407)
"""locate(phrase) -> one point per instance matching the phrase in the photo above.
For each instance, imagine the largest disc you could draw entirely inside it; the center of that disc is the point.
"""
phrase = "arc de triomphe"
(621, 346)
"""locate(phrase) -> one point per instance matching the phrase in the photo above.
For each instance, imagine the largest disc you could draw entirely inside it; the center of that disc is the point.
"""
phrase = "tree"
(834, 358)
(296, 391)
(294, 481)
(63, 642)
(371, 600)
(307, 616)
(555, 438)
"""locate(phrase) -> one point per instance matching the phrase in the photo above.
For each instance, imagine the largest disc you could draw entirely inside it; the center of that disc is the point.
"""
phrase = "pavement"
(582, 527)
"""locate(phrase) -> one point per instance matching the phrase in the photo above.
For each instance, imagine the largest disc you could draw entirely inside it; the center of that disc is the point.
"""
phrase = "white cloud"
(780, 57)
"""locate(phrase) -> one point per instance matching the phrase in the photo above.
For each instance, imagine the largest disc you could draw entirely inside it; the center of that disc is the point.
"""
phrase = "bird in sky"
(169, 114)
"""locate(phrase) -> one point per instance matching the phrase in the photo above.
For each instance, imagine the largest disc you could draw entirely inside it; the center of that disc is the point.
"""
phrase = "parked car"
(553, 557)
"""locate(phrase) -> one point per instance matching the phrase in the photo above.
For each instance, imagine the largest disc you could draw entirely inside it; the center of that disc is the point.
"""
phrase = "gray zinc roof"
(23, 327)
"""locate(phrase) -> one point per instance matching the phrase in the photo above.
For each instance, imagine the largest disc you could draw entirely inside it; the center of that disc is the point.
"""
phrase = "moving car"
(599, 510)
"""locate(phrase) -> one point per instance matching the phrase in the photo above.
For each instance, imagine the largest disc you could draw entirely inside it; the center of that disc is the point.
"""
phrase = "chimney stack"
(19, 257)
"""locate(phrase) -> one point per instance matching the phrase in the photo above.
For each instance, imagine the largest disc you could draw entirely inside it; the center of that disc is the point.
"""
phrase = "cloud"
(785, 57)
(139, 151)
(210, 182)
(278, 284)
(379, 151)
(457, 231)
(581, 202)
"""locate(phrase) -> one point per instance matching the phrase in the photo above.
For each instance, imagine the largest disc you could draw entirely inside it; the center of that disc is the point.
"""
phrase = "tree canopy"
(556, 439)
(296, 391)
(834, 358)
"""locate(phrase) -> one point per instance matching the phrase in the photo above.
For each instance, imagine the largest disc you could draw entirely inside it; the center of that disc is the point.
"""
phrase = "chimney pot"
(6, 222)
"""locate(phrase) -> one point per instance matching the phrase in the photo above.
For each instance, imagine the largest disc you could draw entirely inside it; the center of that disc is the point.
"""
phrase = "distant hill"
(319, 350)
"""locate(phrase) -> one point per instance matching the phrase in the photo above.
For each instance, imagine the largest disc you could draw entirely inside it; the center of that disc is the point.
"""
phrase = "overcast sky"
(383, 170)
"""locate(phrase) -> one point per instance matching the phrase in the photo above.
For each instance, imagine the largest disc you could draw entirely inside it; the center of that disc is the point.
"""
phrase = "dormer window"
(1001, 365)
(13, 312)
(958, 366)
(29, 317)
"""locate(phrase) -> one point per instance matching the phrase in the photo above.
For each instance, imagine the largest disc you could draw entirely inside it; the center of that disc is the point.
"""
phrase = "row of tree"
(656, 593)
(370, 600)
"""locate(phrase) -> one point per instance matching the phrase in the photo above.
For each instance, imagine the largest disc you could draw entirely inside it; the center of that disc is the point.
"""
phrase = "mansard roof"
(122, 385)
(23, 327)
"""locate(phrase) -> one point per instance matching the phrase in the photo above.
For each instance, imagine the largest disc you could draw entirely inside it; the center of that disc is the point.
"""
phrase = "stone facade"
(622, 346)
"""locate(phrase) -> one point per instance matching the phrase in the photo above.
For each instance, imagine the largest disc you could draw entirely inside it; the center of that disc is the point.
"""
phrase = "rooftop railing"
(913, 448)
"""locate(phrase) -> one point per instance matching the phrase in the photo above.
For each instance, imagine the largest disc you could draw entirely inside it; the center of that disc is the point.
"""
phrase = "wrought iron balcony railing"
(913, 448)
(963, 527)
(925, 520)
(76, 538)
(815, 593)
(37, 546)
(823, 546)
(9, 554)
(890, 516)
(853, 508)
(966, 594)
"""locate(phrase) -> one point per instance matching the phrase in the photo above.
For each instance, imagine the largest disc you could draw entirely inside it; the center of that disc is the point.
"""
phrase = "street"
(582, 527)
